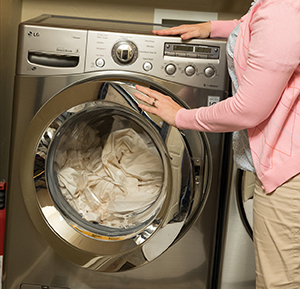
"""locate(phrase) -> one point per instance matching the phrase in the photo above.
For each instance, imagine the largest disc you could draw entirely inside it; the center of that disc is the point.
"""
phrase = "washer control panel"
(57, 51)
(199, 63)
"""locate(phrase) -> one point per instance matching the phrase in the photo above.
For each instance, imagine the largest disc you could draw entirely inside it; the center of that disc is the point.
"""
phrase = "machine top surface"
(94, 24)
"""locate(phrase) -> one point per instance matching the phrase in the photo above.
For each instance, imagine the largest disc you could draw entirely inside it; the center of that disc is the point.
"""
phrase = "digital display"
(202, 49)
(192, 50)
(182, 48)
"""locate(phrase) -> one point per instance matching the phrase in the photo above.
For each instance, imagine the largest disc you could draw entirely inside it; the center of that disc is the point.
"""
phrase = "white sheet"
(109, 185)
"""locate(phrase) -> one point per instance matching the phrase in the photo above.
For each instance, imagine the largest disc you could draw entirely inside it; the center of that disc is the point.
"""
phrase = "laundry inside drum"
(108, 169)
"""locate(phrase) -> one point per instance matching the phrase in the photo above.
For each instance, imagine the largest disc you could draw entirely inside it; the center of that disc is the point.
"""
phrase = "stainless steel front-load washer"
(102, 194)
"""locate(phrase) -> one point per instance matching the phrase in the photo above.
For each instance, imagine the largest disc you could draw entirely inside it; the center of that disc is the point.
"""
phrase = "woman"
(264, 64)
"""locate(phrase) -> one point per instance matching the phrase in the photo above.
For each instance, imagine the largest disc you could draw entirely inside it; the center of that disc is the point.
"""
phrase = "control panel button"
(100, 62)
(170, 69)
(209, 71)
(212, 57)
(170, 53)
(192, 55)
(147, 66)
(181, 54)
(190, 70)
(202, 56)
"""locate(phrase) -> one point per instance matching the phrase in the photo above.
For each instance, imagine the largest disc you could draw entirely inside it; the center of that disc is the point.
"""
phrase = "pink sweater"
(266, 58)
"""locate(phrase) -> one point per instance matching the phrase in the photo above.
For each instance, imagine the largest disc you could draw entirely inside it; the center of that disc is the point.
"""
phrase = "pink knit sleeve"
(223, 28)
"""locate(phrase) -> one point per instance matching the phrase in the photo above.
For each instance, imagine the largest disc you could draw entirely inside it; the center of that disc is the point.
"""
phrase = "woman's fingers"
(148, 95)
(150, 109)
(158, 104)
(200, 30)
(178, 30)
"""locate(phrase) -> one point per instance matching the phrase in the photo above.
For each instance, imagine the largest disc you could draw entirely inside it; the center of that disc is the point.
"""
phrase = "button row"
(191, 55)
(170, 68)
(190, 70)
(100, 62)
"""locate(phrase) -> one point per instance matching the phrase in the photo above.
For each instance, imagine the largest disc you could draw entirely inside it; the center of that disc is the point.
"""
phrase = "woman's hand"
(159, 104)
(201, 30)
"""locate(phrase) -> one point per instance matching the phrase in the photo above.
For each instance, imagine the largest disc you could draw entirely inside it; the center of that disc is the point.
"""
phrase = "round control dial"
(124, 52)
(170, 69)
(190, 70)
(209, 71)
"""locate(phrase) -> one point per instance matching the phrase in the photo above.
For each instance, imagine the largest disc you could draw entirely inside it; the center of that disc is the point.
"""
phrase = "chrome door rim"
(88, 250)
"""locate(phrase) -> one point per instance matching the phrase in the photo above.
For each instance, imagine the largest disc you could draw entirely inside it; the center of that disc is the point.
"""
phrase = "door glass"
(106, 167)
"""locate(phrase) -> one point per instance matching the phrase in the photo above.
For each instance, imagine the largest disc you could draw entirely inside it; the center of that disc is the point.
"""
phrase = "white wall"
(135, 10)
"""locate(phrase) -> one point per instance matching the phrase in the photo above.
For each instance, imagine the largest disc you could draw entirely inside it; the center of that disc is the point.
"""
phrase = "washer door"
(112, 187)
(244, 199)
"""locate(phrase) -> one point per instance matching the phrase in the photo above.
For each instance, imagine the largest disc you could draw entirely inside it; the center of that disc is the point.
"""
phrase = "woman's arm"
(211, 29)
(273, 55)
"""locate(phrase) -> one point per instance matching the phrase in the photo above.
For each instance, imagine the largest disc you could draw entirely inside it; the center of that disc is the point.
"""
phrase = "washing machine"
(102, 194)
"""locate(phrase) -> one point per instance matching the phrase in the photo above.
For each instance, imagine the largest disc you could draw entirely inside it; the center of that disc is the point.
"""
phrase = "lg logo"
(33, 34)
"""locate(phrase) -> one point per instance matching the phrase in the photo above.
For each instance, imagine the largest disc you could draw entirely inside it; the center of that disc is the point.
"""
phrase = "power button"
(100, 62)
